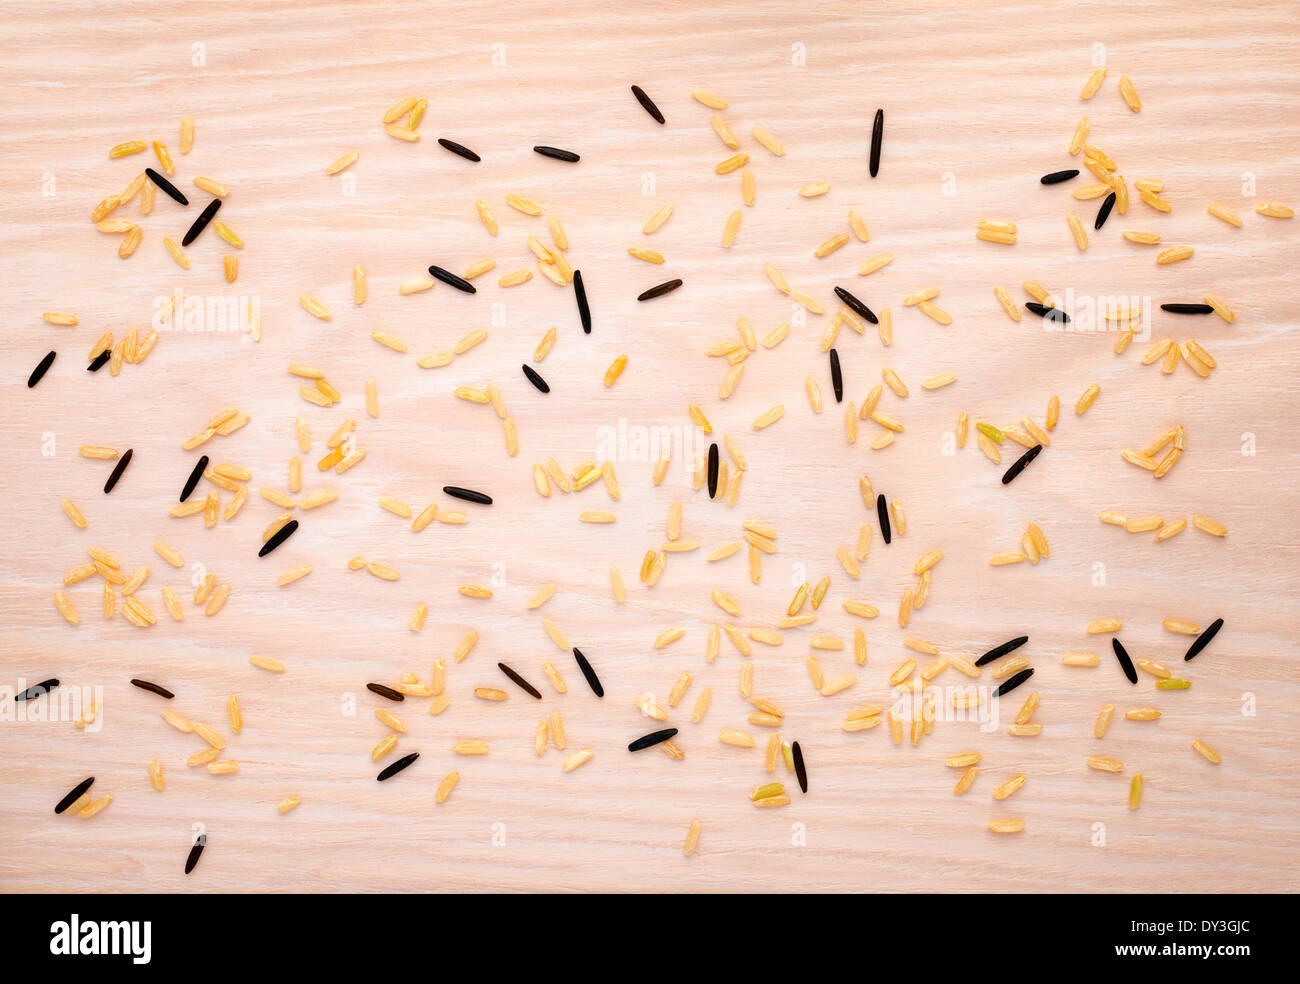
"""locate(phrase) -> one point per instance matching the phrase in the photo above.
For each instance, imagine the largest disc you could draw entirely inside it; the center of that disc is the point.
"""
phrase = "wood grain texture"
(980, 100)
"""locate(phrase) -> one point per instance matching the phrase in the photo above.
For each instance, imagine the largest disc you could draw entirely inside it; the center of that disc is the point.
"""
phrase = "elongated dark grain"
(536, 379)
(196, 852)
(168, 188)
(667, 287)
(997, 652)
(384, 691)
(1203, 640)
(648, 104)
(100, 361)
(882, 514)
(580, 292)
(1056, 177)
(468, 495)
(451, 279)
(153, 688)
(1047, 313)
(195, 474)
(116, 475)
(520, 682)
(856, 306)
(1125, 661)
(37, 690)
(877, 138)
(201, 222)
(1187, 308)
(397, 766)
(593, 681)
(1020, 464)
(277, 538)
(652, 739)
(459, 149)
(713, 470)
(1103, 213)
(41, 369)
(837, 377)
(1015, 681)
(555, 153)
(800, 770)
(74, 794)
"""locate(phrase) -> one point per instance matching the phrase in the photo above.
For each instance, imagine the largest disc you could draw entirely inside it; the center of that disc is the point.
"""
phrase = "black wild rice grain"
(171, 190)
(856, 305)
(1187, 308)
(195, 475)
(382, 691)
(100, 361)
(1056, 177)
(882, 513)
(837, 378)
(1015, 681)
(397, 766)
(456, 148)
(536, 379)
(118, 470)
(520, 682)
(647, 104)
(277, 538)
(153, 688)
(1047, 313)
(74, 794)
(1020, 464)
(800, 772)
(196, 851)
(1203, 639)
(41, 369)
(201, 222)
(652, 739)
(1125, 663)
(1103, 213)
(447, 277)
(580, 292)
(665, 288)
(37, 690)
(877, 134)
(556, 153)
(469, 495)
(713, 470)
(997, 652)
(593, 681)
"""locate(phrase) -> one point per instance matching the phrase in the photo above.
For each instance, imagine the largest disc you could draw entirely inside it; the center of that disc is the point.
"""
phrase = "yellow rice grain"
(1104, 764)
(1142, 714)
(1208, 753)
(1080, 135)
(1174, 254)
(1275, 210)
(1225, 213)
(91, 809)
(1009, 787)
(1129, 93)
(1091, 86)
(934, 312)
(1077, 230)
(1207, 525)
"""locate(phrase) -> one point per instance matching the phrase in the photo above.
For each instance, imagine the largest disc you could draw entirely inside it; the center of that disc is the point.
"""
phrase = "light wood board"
(980, 100)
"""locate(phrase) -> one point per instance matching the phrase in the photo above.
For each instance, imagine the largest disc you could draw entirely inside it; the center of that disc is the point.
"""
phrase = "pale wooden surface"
(988, 94)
